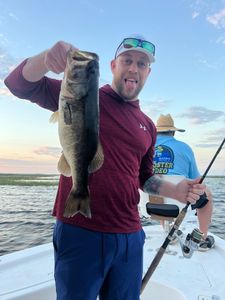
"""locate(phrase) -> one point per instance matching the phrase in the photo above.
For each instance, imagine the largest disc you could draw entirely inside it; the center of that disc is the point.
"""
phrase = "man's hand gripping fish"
(78, 118)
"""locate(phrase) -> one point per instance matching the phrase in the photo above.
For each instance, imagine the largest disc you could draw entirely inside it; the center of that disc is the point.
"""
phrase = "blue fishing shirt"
(173, 157)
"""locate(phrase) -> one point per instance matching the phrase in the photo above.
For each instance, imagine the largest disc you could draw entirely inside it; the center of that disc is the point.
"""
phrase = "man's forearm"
(35, 68)
(157, 186)
(53, 59)
(205, 213)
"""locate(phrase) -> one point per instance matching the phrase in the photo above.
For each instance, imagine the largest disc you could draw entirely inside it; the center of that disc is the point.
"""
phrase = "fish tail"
(77, 203)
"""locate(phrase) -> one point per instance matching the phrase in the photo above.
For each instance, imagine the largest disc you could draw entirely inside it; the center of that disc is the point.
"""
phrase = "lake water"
(26, 203)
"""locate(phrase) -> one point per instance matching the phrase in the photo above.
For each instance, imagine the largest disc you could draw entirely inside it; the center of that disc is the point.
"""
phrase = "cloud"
(49, 151)
(221, 40)
(216, 64)
(217, 132)
(7, 62)
(5, 92)
(217, 19)
(13, 16)
(212, 11)
(3, 40)
(154, 108)
(211, 145)
(27, 166)
(201, 115)
(195, 14)
(213, 139)
(199, 7)
(208, 64)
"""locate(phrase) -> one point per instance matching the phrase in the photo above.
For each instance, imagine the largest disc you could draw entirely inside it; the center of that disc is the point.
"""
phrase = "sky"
(187, 79)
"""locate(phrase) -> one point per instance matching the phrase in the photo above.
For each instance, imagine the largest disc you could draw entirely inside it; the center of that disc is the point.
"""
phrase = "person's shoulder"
(149, 121)
(185, 145)
(106, 93)
(105, 89)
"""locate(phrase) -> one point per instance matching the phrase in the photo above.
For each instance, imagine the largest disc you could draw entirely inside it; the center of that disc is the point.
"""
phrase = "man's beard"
(124, 94)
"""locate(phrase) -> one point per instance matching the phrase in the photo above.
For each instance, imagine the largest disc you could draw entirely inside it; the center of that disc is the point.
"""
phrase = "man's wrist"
(35, 68)
(201, 202)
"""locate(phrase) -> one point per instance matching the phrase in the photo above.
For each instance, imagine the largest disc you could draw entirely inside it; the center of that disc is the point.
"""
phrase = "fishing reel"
(170, 211)
(191, 242)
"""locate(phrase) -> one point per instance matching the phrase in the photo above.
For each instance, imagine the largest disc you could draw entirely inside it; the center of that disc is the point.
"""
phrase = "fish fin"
(54, 117)
(63, 166)
(97, 161)
(77, 203)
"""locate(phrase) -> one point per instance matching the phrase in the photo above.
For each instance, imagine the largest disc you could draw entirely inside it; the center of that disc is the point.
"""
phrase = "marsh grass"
(29, 179)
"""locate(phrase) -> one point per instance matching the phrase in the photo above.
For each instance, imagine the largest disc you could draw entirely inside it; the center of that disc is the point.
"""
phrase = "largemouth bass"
(78, 119)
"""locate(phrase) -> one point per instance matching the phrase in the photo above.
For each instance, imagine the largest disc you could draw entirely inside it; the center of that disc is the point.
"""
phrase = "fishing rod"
(176, 225)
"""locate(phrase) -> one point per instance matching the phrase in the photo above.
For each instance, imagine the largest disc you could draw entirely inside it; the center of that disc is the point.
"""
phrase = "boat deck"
(28, 274)
(200, 277)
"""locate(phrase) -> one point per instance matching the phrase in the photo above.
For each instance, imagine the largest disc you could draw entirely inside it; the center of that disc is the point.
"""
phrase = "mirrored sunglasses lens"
(148, 46)
(130, 43)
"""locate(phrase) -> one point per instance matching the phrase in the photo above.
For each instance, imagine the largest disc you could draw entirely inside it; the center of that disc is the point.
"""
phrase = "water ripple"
(26, 219)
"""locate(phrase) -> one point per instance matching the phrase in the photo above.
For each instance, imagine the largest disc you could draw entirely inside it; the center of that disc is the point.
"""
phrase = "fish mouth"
(84, 56)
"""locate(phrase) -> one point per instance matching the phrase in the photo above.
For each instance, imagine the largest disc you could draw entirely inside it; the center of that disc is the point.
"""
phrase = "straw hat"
(165, 123)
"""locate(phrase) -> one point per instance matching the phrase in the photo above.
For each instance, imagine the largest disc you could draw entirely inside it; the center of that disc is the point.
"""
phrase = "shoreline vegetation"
(29, 179)
(41, 179)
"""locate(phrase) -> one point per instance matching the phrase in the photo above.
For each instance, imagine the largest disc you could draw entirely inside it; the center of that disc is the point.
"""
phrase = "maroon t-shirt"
(127, 136)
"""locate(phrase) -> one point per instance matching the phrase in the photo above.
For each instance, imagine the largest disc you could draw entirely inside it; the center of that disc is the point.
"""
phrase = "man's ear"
(113, 65)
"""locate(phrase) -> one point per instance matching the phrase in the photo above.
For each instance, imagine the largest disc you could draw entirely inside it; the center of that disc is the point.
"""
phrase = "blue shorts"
(89, 263)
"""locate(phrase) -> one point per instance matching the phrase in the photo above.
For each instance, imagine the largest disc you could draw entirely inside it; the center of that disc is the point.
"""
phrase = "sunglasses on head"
(129, 43)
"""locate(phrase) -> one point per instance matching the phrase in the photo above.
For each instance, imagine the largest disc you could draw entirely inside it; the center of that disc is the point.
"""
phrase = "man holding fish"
(108, 147)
